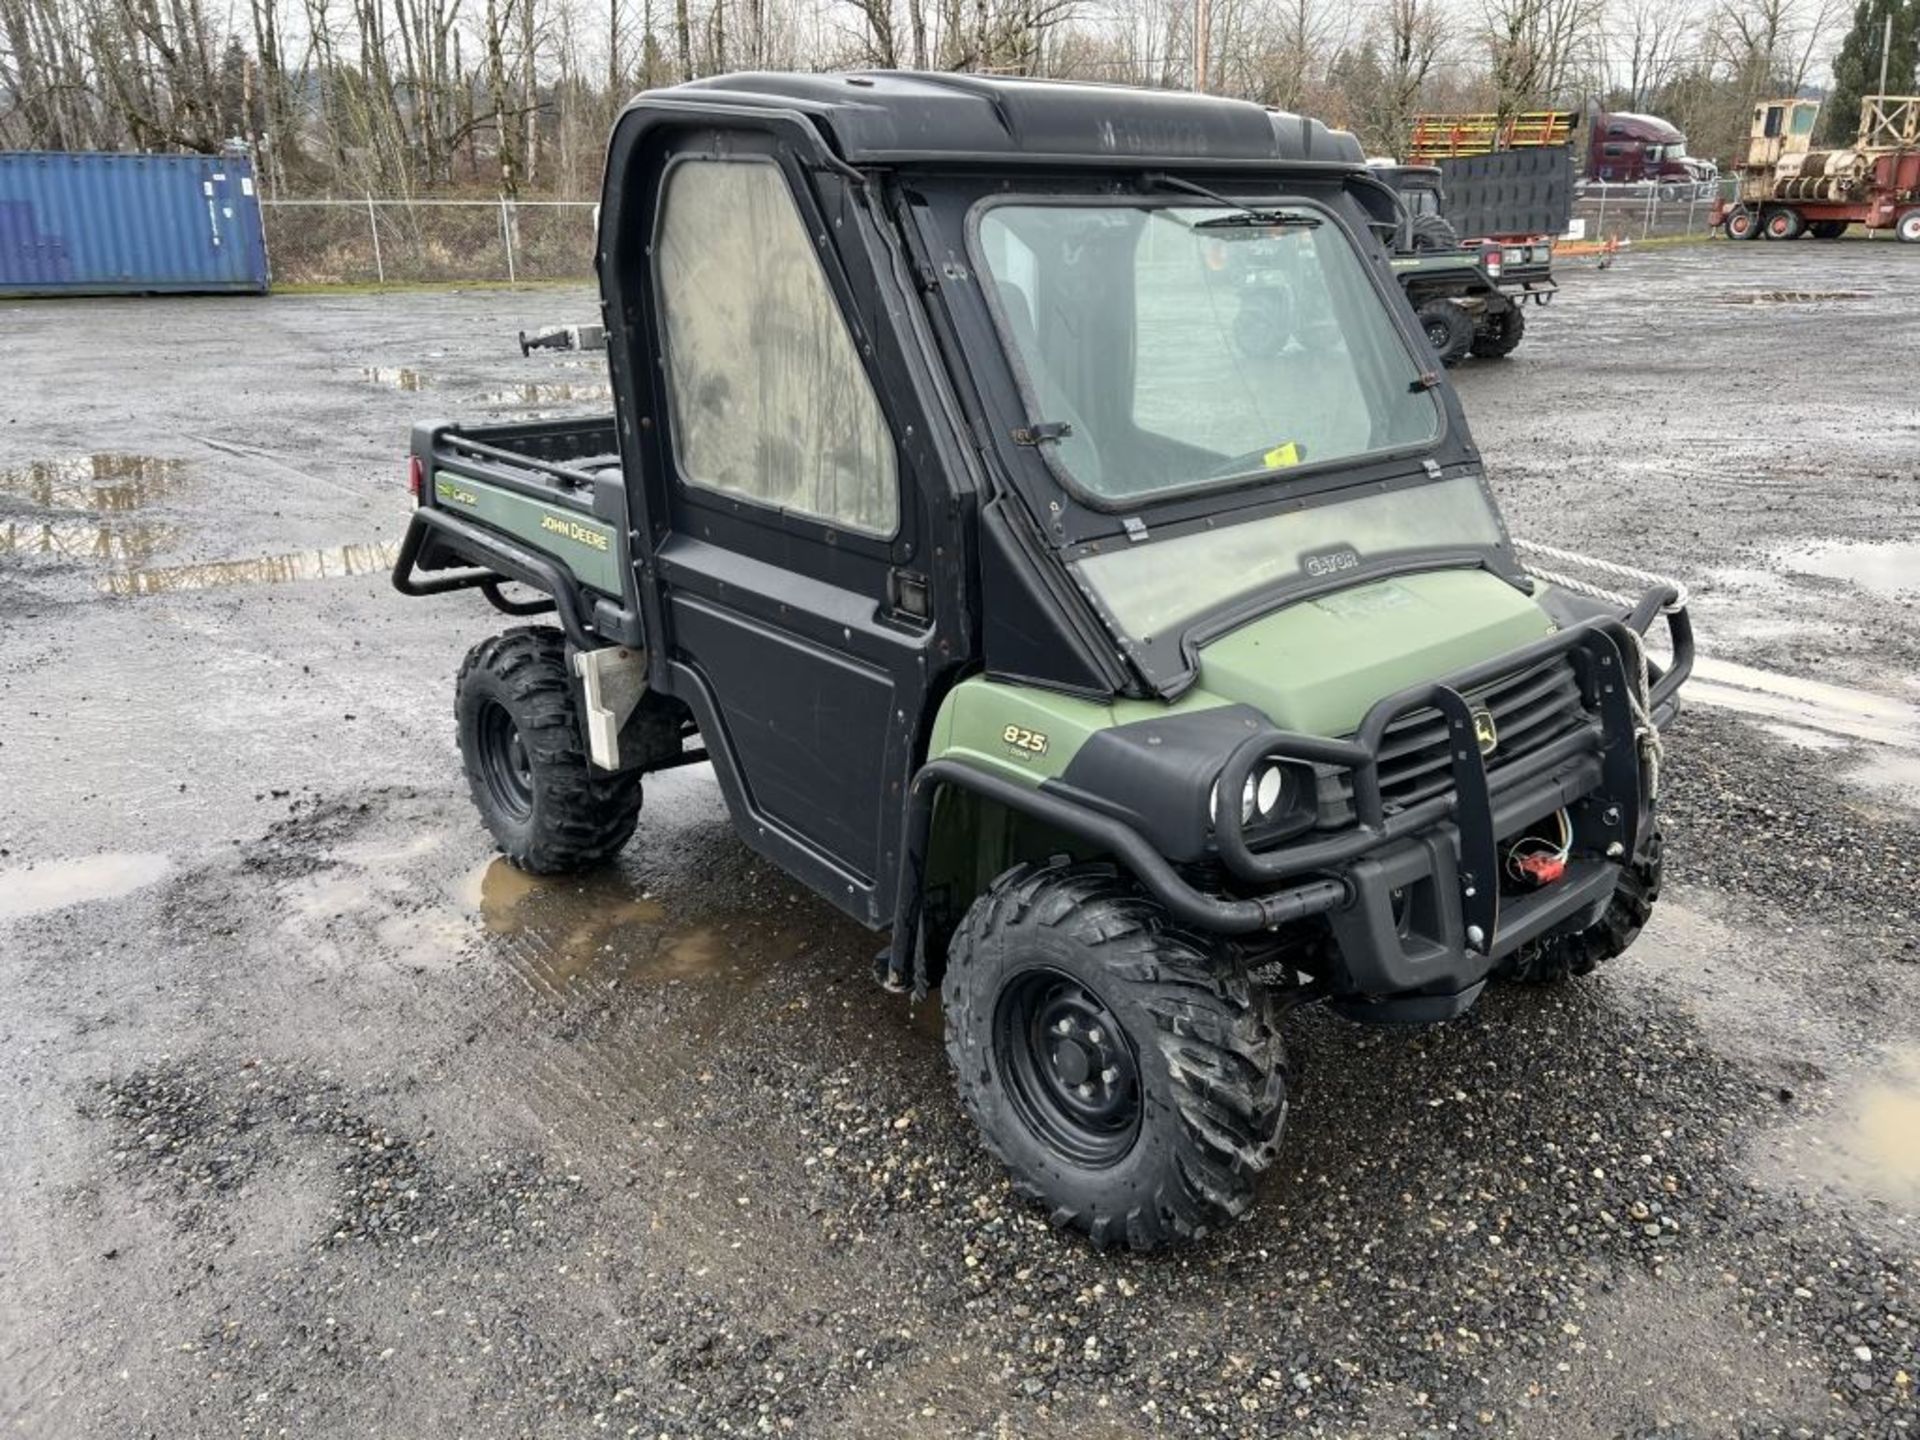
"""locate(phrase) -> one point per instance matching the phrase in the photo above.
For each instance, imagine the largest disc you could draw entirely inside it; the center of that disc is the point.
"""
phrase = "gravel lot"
(319, 1123)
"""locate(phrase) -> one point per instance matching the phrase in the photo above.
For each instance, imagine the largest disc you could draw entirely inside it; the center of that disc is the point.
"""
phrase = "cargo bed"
(540, 503)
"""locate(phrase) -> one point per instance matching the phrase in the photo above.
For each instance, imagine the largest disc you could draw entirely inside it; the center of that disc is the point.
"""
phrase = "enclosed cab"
(1040, 506)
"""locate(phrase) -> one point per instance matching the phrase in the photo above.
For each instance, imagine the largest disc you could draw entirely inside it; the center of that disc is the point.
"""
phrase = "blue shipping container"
(101, 223)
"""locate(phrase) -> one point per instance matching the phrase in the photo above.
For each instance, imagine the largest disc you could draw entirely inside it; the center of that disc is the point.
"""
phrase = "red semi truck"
(1789, 189)
(1628, 149)
(1622, 148)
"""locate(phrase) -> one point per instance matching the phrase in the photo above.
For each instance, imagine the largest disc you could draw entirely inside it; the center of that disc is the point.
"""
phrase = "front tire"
(527, 769)
(1907, 227)
(1560, 957)
(1128, 1073)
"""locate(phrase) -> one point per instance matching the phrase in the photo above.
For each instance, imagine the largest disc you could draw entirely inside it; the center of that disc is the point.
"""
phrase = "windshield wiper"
(1245, 215)
(1263, 220)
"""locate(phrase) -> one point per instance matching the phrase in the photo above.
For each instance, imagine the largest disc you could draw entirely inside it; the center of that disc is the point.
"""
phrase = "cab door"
(788, 522)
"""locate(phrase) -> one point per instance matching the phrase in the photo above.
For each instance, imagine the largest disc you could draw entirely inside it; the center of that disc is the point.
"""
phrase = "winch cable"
(1646, 733)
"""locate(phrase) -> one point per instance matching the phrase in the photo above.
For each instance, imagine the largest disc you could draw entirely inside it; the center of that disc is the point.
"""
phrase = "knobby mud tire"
(1205, 1042)
(557, 815)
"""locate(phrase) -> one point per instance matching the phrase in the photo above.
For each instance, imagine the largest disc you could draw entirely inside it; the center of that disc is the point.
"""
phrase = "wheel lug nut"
(1085, 1092)
(1065, 1027)
(1109, 1075)
(1094, 1035)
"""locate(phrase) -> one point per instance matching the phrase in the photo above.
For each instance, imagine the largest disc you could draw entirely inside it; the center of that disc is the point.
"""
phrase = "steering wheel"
(1265, 323)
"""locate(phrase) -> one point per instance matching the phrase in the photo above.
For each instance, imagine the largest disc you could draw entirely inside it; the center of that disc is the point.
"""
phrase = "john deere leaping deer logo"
(1484, 731)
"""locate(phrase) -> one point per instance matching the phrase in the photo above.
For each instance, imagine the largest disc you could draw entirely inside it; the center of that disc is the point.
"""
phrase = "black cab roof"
(898, 117)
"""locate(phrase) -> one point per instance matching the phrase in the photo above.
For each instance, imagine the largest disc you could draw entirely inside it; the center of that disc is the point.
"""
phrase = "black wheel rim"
(505, 766)
(1439, 334)
(1067, 1067)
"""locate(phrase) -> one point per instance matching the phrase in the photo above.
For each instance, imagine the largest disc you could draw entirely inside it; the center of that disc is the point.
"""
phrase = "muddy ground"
(318, 1122)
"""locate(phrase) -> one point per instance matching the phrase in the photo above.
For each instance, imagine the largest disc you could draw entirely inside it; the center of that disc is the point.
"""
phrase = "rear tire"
(1500, 336)
(1449, 330)
(1783, 225)
(1827, 229)
(1128, 1073)
(1559, 957)
(527, 769)
(1432, 232)
(1742, 224)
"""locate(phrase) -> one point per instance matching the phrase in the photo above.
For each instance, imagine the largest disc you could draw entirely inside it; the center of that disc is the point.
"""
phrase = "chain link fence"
(1649, 211)
(401, 242)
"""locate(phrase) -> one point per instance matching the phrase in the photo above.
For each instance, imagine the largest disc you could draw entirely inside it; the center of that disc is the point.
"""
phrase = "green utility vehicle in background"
(1471, 296)
(1144, 669)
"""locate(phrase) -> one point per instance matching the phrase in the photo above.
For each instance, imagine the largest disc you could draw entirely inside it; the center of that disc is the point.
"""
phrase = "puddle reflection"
(105, 481)
(266, 570)
(548, 392)
(397, 378)
(126, 545)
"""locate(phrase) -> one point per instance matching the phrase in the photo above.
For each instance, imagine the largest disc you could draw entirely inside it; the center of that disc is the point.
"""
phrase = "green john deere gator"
(1042, 509)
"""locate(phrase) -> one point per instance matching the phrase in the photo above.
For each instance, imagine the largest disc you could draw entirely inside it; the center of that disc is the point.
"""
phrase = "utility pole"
(1202, 43)
(1886, 48)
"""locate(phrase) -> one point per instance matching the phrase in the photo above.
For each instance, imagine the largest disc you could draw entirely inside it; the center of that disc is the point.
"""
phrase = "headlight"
(1249, 796)
(1262, 795)
(1270, 790)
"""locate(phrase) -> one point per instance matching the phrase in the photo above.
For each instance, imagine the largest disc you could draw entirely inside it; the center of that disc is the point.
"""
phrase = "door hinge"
(908, 594)
(1042, 432)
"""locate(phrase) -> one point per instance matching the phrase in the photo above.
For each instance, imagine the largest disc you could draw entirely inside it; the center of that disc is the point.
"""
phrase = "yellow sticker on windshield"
(1282, 456)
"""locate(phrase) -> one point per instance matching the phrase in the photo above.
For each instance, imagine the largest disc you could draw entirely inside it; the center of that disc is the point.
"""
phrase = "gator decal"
(584, 545)
(1435, 262)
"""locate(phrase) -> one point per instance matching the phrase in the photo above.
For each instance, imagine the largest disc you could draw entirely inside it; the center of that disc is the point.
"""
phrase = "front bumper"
(1423, 913)
(1411, 893)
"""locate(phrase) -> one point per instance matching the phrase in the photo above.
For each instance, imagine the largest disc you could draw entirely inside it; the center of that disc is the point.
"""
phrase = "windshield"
(1162, 347)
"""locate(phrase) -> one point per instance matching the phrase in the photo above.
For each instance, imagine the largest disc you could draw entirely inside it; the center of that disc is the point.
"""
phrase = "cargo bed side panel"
(587, 547)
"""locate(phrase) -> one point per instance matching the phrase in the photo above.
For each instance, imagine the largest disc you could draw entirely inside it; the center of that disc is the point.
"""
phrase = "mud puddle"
(326, 564)
(56, 884)
(106, 481)
(123, 544)
(1886, 568)
(1869, 1146)
(1892, 773)
(548, 392)
(1808, 705)
(562, 934)
(394, 378)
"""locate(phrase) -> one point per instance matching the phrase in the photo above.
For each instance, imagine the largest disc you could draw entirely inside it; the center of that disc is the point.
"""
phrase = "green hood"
(1318, 665)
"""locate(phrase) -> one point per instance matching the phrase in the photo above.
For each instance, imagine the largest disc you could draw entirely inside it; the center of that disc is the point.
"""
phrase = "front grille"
(1529, 709)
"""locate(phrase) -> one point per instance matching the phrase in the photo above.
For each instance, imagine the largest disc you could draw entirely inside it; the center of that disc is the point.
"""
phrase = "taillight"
(1493, 264)
(416, 477)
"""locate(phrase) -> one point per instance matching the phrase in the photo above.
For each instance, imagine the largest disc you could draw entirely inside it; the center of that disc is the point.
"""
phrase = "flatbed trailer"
(1789, 189)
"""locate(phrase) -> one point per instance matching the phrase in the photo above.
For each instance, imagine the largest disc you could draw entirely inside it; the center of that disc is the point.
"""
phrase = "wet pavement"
(321, 1120)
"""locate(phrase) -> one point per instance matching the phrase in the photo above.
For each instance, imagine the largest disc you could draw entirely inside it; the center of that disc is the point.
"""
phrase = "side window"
(769, 400)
